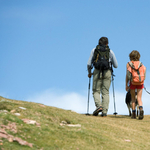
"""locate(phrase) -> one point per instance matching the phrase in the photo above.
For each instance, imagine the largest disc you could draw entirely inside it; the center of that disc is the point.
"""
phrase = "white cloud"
(70, 101)
(78, 103)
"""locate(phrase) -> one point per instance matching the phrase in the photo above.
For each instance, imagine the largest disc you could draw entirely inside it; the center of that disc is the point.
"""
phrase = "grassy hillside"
(91, 133)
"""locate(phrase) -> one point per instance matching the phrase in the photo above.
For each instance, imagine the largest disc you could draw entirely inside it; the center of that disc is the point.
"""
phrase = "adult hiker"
(135, 76)
(102, 58)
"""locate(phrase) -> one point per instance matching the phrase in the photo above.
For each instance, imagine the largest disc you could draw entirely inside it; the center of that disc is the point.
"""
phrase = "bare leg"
(139, 97)
(133, 98)
(133, 103)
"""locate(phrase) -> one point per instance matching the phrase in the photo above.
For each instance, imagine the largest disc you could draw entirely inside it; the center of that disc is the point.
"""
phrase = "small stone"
(17, 114)
(128, 140)
(12, 111)
(74, 125)
(5, 111)
(10, 139)
(22, 108)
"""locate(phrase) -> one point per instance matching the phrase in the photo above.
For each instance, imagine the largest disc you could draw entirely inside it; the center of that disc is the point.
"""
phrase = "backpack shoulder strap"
(140, 64)
(131, 65)
(107, 48)
(97, 49)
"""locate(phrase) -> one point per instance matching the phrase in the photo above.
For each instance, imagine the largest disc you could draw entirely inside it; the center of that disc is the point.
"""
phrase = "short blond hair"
(134, 55)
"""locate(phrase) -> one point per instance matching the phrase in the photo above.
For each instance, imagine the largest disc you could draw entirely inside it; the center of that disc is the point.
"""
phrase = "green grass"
(95, 133)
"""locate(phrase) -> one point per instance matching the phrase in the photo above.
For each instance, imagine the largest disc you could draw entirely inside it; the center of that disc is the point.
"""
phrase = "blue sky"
(45, 46)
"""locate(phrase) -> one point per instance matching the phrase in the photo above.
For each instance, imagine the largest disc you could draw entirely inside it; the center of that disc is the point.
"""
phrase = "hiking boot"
(99, 109)
(141, 116)
(133, 116)
(104, 115)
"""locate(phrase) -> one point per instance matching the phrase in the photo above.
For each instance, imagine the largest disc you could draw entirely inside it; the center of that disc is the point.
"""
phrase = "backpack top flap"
(101, 55)
(103, 51)
(135, 64)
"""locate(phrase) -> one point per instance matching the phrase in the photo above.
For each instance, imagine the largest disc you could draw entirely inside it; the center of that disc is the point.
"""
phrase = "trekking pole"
(88, 97)
(115, 113)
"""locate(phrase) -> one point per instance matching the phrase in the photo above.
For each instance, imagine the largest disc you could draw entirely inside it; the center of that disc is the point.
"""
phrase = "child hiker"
(135, 75)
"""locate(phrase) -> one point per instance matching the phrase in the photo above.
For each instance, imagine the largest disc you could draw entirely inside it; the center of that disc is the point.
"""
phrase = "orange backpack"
(137, 70)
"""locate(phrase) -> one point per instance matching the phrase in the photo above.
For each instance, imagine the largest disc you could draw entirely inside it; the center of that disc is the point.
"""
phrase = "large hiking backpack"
(136, 72)
(101, 58)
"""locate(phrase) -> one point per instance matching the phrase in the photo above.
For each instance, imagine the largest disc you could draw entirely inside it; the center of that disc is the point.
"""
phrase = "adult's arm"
(89, 63)
(113, 59)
